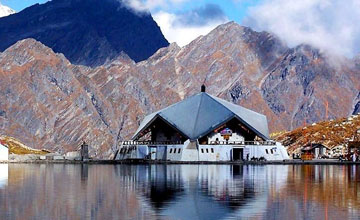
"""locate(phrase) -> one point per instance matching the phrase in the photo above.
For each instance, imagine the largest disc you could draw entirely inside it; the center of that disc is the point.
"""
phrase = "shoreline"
(149, 162)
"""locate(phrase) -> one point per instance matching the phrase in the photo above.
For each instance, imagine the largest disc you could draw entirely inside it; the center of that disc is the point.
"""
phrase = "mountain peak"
(88, 32)
(28, 51)
(28, 43)
(5, 11)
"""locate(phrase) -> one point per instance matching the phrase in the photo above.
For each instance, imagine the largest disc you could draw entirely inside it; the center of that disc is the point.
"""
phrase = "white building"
(203, 128)
(4, 175)
(4, 152)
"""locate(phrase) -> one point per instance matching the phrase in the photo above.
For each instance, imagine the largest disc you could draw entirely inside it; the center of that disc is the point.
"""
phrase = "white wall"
(3, 175)
(221, 152)
(208, 152)
(269, 152)
(174, 152)
(4, 153)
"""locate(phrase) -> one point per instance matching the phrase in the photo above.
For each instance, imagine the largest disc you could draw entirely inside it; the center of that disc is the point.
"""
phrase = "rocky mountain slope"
(5, 11)
(87, 32)
(329, 133)
(46, 102)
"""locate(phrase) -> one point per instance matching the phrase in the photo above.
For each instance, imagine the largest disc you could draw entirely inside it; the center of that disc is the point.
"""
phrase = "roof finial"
(203, 88)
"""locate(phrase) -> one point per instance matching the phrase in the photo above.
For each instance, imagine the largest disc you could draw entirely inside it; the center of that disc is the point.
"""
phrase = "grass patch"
(16, 147)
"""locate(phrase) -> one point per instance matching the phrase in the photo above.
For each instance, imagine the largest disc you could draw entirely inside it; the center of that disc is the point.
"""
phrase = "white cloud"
(182, 34)
(5, 11)
(148, 5)
(331, 25)
(183, 26)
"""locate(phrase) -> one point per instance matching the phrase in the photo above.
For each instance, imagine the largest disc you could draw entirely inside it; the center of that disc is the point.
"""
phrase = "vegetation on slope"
(331, 134)
(16, 147)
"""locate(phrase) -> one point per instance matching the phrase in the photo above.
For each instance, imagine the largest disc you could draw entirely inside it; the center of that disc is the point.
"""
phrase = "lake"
(63, 191)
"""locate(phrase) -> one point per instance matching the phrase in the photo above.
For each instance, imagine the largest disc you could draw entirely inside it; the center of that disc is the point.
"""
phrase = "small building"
(84, 151)
(203, 128)
(314, 151)
(353, 145)
(4, 151)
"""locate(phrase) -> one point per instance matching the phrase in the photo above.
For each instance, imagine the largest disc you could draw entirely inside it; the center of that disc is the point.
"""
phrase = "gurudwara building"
(203, 128)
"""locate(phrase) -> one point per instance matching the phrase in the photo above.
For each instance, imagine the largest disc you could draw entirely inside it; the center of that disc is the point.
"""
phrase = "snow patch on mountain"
(5, 11)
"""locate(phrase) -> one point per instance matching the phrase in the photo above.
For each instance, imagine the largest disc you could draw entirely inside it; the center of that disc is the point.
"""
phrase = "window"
(179, 150)
(202, 150)
(267, 152)
(207, 150)
(170, 150)
(272, 152)
(212, 150)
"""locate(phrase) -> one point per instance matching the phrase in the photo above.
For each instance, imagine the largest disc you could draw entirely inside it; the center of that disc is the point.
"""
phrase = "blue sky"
(181, 21)
(18, 5)
(234, 9)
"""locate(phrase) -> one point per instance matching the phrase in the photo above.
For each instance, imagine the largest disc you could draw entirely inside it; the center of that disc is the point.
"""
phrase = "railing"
(129, 143)
(242, 143)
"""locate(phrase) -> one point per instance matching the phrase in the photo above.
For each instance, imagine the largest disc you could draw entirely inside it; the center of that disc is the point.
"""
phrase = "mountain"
(87, 32)
(49, 103)
(5, 11)
(331, 133)
(258, 71)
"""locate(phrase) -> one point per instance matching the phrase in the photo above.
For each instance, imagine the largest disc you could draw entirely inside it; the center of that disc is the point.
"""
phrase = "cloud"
(180, 26)
(184, 27)
(149, 5)
(331, 25)
(201, 16)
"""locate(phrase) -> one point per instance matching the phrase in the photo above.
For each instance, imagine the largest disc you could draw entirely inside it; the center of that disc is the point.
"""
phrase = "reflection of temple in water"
(268, 192)
(201, 191)
(59, 191)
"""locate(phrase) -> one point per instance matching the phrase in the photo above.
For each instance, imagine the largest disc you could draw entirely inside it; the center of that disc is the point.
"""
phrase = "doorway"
(152, 152)
(238, 154)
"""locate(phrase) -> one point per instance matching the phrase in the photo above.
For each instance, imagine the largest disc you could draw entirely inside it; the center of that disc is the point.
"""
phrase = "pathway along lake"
(63, 191)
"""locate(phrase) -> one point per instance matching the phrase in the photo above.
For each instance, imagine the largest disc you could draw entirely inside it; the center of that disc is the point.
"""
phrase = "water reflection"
(199, 192)
(180, 192)
(320, 192)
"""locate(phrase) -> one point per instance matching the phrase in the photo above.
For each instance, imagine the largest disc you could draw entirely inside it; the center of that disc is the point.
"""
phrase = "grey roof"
(198, 115)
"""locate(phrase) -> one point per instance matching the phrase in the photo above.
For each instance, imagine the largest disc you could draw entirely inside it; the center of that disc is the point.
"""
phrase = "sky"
(330, 25)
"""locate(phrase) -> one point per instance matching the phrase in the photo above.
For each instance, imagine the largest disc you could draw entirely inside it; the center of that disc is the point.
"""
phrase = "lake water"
(58, 191)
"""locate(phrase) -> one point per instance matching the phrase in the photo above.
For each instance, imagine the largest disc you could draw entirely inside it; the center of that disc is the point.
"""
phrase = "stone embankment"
(56, 159)
(51, 157)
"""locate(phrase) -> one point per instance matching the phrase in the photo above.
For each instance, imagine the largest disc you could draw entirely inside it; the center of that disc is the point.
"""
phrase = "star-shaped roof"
(200, 114)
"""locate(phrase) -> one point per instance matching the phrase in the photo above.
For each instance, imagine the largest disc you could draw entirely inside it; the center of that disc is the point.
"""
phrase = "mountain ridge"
(87, 32)
(104, 105)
